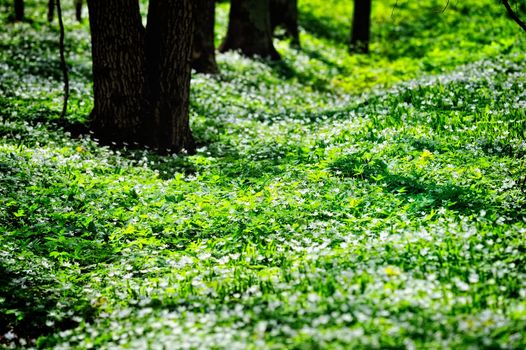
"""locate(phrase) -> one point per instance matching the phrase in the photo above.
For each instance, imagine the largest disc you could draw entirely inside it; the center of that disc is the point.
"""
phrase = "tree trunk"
(141, 78)
(284, 13)
(78, 10)
(360, 27)
(203, 49)
(19, 10)
(117, 38)
(169, 34)
(50, 10)
(249, 29)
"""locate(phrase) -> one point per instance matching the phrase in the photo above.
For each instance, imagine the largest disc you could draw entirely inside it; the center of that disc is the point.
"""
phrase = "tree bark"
(169, 34)
(78, 10)
(119, 85)
(249, 29)
(50, 10)
(360, 27)
(19, 10)
(141, 78)
(203, 49)
(284, 13)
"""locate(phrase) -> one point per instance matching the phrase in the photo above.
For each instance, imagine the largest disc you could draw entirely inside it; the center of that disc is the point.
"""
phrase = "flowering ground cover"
(335, 201)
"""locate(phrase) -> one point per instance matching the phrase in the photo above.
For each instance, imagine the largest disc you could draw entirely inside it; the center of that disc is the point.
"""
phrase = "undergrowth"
(335, 201)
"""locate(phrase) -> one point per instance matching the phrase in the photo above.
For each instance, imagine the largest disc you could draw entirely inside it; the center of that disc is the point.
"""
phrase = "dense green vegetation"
(335, 201)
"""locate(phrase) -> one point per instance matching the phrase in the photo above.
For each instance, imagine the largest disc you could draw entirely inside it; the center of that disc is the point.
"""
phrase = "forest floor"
(335, 201)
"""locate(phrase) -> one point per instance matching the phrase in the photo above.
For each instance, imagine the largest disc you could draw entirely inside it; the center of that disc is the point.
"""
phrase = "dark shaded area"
(28, 301)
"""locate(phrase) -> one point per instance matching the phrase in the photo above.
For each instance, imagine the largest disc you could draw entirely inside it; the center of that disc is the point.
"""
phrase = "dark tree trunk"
(117, 39)
(361, 27)
(19, 10)
(203, 49)
(50, 10)
(169, 36)
(249, 29)
(284, 13)
(78, 10)
(141, 78)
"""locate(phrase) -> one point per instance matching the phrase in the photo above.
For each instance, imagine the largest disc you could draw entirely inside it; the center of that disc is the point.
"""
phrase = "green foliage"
(334, 202)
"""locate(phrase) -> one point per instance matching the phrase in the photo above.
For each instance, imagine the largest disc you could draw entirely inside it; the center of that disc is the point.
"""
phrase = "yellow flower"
(392, 271)
(426, 155)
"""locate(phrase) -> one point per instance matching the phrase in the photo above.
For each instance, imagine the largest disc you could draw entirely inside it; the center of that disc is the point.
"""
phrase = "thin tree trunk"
(50, 10)
(19, 10)
(513, 15)
(203, 49)
(249, 29)
(63, 63)
(361, 27)
(117, 37)
(284, 13)
(169, 34)
(78, 10)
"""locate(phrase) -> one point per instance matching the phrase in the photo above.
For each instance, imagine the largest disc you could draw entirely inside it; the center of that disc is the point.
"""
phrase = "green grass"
(335, 201)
